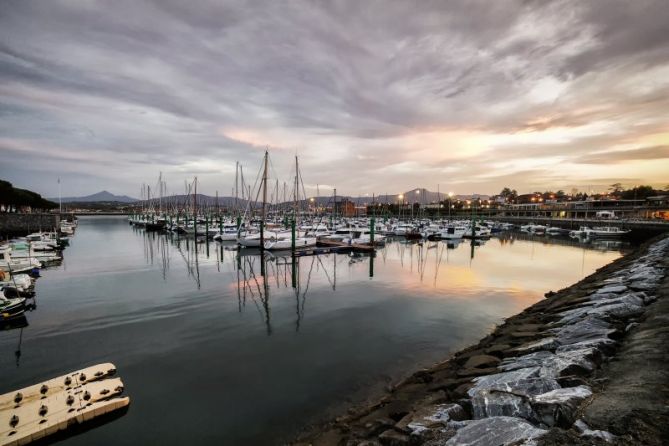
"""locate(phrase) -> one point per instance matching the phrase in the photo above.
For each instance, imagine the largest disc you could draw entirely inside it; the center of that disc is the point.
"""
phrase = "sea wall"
(21, 224)
(553, 374)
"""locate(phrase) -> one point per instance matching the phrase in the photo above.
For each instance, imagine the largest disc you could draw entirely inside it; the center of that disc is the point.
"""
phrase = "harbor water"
(220, 347)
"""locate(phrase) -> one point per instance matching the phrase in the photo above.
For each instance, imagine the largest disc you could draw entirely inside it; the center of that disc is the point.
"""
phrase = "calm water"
(210, 353)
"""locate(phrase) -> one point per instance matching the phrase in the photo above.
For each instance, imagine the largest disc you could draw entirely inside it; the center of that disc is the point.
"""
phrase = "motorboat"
(553, 230)
(403, 229)
(339, 235)
(453, 232)
(229, 233)
(11, 308)
(478, 232)
(608, 232)
(22, 282)
(8, 264)
(285, 241)
(364, 237)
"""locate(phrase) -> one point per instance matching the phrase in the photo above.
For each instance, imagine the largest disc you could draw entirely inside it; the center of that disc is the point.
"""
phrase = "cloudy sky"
(373, 97)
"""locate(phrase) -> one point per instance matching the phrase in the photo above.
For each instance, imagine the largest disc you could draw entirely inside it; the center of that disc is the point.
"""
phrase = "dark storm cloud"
(123, 89)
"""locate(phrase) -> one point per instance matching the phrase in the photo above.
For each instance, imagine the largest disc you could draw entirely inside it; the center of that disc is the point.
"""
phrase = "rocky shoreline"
(587, 365)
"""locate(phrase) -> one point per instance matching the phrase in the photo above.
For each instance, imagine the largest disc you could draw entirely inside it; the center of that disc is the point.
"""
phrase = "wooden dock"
(37, 411)
(354, 247)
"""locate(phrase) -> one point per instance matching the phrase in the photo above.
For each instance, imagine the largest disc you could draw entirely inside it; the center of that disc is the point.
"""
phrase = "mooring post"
(372, 224)
(371, 264)
(262, 235)
(292, 235)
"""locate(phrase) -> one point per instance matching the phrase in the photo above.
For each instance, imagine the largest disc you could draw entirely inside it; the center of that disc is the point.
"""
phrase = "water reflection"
(318, 328)
(439, 264)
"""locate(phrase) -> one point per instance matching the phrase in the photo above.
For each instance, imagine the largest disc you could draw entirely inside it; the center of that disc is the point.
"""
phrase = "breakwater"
(21, 224)
(583, 366)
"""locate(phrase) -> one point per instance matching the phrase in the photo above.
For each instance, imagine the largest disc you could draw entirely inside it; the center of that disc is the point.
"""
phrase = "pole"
(372, 224)
(195, 209)
(264, 203)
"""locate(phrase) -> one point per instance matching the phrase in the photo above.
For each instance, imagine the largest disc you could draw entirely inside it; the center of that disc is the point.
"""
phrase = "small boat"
(11, 307)
(286, 242)
(452, 232)
(10, 265)
(553, 230)
(229, 233)
(608, 232)
(480, 232)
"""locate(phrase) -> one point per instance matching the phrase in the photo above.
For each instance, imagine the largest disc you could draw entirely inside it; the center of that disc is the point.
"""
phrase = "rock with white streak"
(527, 381)
(495, 431)
(493, 403)
(559, 407)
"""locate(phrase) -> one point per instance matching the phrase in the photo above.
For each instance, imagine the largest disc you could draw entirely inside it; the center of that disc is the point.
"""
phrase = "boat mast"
(264, 202)
(237, 187)
(195, 199)
(296, 194)
(160, 194)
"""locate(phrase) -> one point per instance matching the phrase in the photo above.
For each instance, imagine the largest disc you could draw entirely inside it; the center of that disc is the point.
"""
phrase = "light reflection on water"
(216, 347)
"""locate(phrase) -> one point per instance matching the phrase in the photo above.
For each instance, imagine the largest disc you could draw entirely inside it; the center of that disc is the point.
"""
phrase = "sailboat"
(285, 240)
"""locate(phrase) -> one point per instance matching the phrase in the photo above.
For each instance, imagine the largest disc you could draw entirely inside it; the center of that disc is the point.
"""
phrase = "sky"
(373, 97)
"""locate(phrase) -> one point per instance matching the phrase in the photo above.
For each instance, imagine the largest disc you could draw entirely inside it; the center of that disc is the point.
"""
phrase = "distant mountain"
(423, 196)
(103, 196)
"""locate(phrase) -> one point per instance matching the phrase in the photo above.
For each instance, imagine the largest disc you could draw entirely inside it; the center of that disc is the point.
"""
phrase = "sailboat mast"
(237, 186)
(160, 194)
(195, 198)
(264, 203)
(297, 173)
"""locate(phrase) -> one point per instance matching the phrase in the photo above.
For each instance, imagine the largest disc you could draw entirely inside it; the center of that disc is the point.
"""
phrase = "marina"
(317, 223)
(305, 334)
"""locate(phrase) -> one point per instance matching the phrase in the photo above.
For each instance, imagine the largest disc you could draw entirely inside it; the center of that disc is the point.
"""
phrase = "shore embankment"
(587, 365)
(20, 224)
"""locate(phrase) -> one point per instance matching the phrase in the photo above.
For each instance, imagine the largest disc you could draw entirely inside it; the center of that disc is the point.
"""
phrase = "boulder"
(480, 361)
(493, 403)
(495, 431)
(559, 407)
(586, 329)
(542, 344)
(527, 381)
(616, 289)
(643, 285)
(393, 438)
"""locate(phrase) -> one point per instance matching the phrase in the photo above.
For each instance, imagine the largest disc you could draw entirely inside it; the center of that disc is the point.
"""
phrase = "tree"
(616, 189)
(508, 194)
(638, 193)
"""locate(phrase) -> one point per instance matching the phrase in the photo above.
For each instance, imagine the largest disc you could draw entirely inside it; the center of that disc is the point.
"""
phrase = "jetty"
(43, 409)
(587, 365)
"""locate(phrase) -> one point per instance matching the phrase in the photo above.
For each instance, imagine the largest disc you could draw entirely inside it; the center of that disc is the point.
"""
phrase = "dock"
(353, 247)
(43, 409)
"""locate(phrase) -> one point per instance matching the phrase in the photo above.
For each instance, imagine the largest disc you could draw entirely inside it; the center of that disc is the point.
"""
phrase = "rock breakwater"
(543, 377)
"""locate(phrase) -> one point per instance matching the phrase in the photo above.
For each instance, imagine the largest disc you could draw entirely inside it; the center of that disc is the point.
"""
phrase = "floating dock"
(37, 411)
(340, 245)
